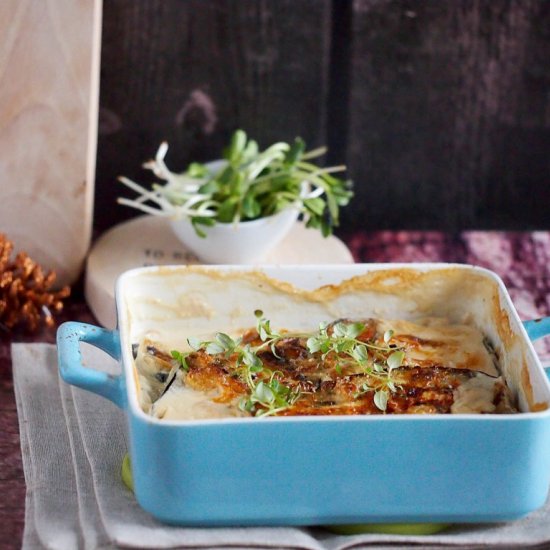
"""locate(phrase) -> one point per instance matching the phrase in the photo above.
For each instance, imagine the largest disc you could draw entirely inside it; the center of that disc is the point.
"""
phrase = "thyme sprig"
(342, 341)
(268, 395)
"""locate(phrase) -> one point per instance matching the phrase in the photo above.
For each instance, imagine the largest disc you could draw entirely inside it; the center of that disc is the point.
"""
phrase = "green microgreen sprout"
(180, 359)
(250, 184)
(385, 383)
(395, 359)
(381, 399)
(180, 363)
(267, 393)
(343, 341)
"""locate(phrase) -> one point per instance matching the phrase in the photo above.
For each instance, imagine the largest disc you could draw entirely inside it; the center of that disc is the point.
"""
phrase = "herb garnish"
(252, 184)
(268, 395)
(342, 341)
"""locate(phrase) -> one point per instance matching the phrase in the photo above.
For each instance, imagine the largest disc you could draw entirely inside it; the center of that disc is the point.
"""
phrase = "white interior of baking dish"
(170, 304)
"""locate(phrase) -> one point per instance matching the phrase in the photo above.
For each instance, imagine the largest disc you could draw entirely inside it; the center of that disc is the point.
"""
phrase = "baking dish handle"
(69, 336)
(537, 328)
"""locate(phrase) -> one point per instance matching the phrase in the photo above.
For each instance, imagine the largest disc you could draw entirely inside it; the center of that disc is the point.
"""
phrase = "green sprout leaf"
(295, 152)
(264, 394)
(197, 170)
(315, 207)
(378, 367)
(354, 329)
(213, 348)
(381, 399)
(180, 358)
(225, 341)
(251, 206)
(360, 353)
(395, 360)
(195, 343)
(314, 344)
(339, 329)
(198, 222)
(236, 146)
(251, 360)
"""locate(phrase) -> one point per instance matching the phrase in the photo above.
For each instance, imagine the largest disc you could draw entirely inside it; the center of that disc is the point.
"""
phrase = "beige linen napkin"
(73, 443)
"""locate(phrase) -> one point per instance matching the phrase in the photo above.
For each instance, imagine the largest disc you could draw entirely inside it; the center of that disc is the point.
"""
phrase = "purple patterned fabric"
(522, 260)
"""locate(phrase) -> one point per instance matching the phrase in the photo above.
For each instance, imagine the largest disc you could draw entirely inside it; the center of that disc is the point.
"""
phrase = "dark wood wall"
(439, 108)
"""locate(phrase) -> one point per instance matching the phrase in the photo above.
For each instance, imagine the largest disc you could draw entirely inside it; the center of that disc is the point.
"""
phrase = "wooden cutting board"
(49, 84)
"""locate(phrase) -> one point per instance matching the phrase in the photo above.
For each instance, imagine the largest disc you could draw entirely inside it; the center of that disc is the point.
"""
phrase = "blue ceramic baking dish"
(325, 470)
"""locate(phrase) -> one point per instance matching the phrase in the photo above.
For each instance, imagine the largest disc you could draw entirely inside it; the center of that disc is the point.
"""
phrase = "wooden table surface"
(521, 259)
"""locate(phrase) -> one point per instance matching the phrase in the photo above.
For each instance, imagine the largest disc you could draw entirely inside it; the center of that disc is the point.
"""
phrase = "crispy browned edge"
(510, 338)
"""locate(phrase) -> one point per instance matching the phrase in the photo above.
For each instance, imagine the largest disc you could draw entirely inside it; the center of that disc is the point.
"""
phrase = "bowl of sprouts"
(236, 209)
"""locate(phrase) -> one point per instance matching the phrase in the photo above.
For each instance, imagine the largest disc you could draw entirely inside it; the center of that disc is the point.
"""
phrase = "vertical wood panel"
(192, 71)
(441, 107)
(449, 122)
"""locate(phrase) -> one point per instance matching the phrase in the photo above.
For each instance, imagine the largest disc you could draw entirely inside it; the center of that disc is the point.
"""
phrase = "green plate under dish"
(388, 528)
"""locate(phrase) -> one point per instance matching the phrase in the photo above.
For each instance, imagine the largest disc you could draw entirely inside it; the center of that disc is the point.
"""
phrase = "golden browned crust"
(460, 296)
(333, 386)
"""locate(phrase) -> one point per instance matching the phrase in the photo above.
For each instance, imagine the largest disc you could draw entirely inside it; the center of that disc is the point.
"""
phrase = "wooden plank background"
(440, 108)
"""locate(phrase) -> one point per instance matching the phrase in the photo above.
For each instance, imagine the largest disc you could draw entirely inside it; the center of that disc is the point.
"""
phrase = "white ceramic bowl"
(236, 243)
